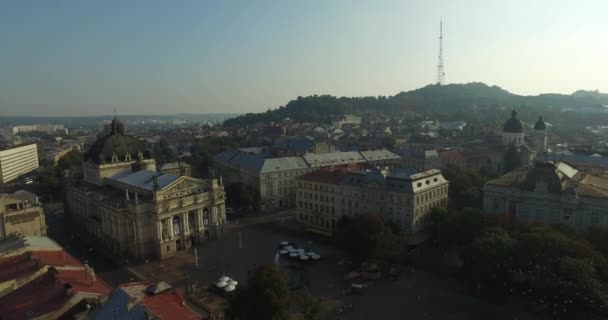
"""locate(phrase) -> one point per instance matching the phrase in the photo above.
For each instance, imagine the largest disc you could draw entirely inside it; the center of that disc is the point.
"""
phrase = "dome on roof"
(513, 125)
(540, 124)
(117, 146)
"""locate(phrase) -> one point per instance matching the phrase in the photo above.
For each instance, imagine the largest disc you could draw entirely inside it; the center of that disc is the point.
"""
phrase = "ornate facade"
(137, 212)
(550, 193)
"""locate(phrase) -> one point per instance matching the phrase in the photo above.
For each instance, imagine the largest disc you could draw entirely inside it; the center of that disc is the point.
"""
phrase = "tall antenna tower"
(440, 72)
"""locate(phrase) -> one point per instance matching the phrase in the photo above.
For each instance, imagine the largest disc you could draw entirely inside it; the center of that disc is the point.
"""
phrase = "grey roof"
(258, 164)
(294, 144)
(333, 158)
(283, 164)
(376, 155)
(144, 179)
(174, 165)
(116, 307)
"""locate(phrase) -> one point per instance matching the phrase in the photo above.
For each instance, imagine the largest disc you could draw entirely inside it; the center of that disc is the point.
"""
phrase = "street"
(71, 241)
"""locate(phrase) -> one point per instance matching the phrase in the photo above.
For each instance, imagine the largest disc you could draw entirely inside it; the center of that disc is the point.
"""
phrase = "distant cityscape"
(176, 217)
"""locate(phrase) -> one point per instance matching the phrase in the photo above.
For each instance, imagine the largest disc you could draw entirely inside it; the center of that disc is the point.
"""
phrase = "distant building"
(549, 192)
(48, 128)
(272, 180)
(323, 197)
(177, 168)
(136, 212)
(17, 160)
(297, 146)
(451, 157)
(21, 214)
(420, 159)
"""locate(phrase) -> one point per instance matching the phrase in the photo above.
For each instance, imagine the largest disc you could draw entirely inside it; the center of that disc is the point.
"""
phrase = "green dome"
(117, 146)
(513, 125)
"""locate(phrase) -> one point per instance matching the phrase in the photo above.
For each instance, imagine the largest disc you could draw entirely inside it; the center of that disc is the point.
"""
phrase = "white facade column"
(159, 225)
(185, 223)
(199, 218)
(214, 215)
(170, 220)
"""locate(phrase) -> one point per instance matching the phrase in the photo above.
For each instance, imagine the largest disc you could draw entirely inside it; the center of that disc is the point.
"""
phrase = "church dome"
(540, 124)
(513, 125)
(117, 146)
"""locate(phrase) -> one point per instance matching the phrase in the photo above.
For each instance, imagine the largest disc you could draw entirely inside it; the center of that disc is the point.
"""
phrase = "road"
(60, 231)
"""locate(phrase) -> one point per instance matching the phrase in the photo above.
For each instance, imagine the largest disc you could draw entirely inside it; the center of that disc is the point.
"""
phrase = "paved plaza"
(415, 295)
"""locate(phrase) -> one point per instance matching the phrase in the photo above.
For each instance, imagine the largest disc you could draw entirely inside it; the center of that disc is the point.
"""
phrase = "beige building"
(324, 196)
(273, 179)
(549, 193)
(18, 160)
(21, 214)
(137, 212)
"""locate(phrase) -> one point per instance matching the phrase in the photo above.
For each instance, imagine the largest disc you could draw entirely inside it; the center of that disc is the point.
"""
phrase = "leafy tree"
(465, 187)
(489, 260)
(50, 180)
(456, 228)
(163, 152)
(203, 150)
(241, 195)
(265, 296)
(358, 235)
(70, 160)
(311, 307)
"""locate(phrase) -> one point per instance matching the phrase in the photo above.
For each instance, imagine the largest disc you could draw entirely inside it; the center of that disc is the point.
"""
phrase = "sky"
(62, 57)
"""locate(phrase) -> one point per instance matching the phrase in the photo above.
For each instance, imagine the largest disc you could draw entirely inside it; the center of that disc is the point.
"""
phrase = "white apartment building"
(406, 199)
(17, 160)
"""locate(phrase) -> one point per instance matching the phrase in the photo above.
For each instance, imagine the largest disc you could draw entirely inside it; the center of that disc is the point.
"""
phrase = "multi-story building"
(273, 180)
(17, 160)
(137, 212)
(549, 192)
(21, 214)
(49, 128)
(324, 196)
(420, 159)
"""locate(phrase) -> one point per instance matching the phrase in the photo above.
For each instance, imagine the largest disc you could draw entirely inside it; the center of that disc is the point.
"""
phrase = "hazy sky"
(86, 57)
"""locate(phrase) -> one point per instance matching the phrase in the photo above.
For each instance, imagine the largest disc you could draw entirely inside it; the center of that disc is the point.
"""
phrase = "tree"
(71, 160)
(163, 152)
(50, 180)
(241, 195)
(489, 260)
(264, 297)
(512, 160)
(455, 228)
(311, 307)
(358, 235)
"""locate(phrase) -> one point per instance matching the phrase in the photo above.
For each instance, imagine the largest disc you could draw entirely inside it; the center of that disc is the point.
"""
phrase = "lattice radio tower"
(440, 72)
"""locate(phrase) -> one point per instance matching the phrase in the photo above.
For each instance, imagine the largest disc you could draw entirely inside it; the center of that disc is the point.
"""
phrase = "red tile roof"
(453, 155)
(17, 266)
(80, 282)
(331, 176)
(56, 258)
(21, 265)
(38, 297)
(167, 306)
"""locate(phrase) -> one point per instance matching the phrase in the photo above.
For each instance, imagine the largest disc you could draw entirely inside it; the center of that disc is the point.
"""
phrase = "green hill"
(471, 101)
